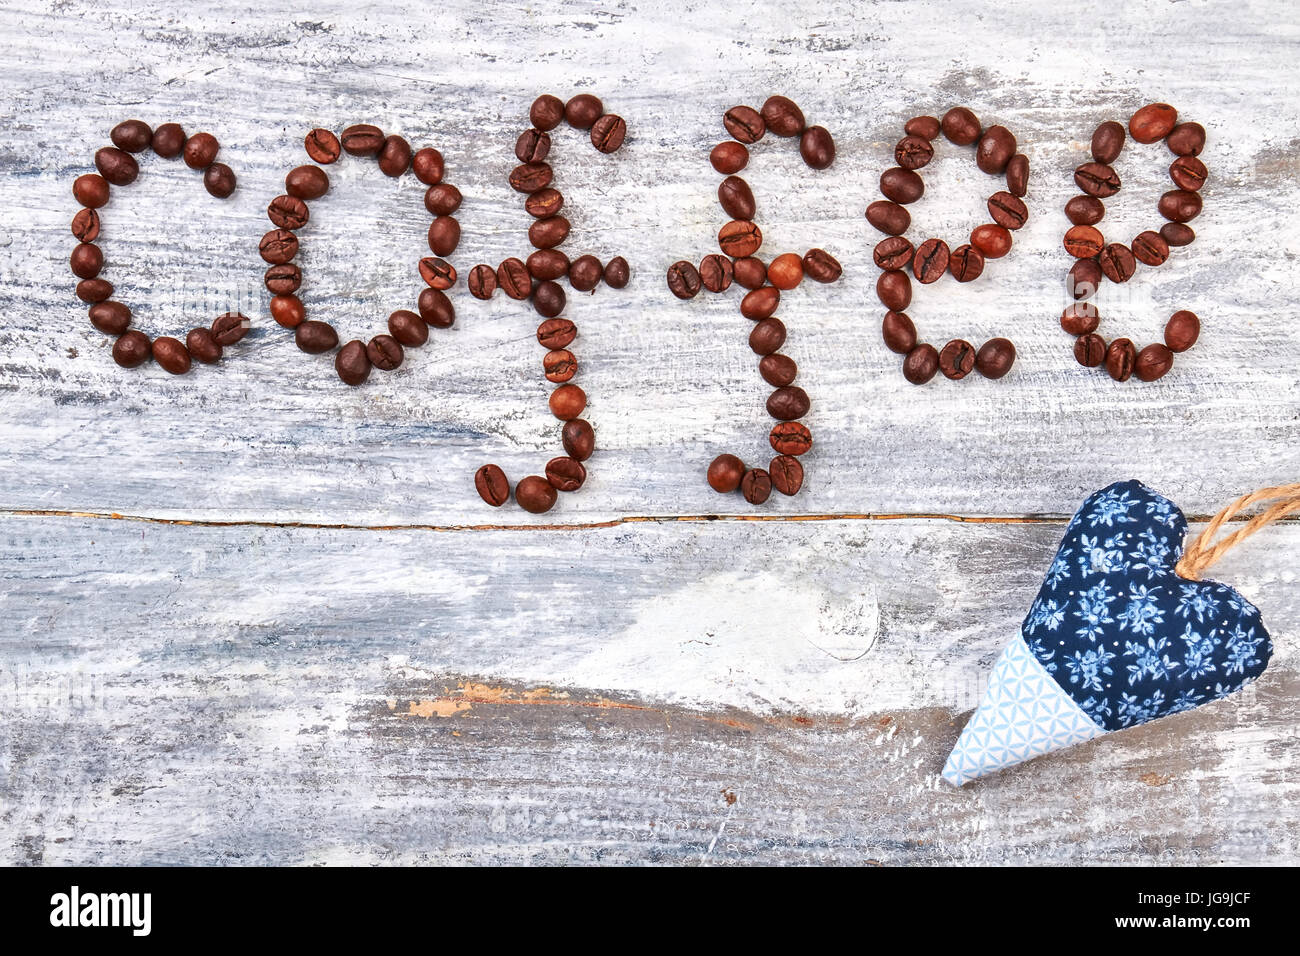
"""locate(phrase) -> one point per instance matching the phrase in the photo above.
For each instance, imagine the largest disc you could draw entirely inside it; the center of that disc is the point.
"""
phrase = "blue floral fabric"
(1127, 638)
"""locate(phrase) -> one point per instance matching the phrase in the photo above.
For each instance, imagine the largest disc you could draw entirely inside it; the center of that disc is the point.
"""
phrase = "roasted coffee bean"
(1097, 179)
(578, 439)
(684, 279)
(168, 140)
(736, 198)
(1182, 330)
(87, 260)
(482, 281)
(729, 157)
(957, 359)
(817, 147)
(1153, 122)
(352, 363)
(788, 403)
(760, 303)
(94, 290)
(786, 474)
(995, 149)
(111, 318)
(428, 166)
(1185, 139)
(745, 124)
(1188, 173)
(85, 225)
(408, 328)
(559, 365)
(608, 133)
(725, 473)
(132, 348)
(362, 140)
(1153, 362)
(171, 355)
(439, 273)
(1018, 175)
(894, 289)
(1177, 234)
(544, 203)
(395, 156)
(739, 238)
(1121, 355)
(926, 127)
(790, 438)
(756, 486)
(960, 125)
(1117, 262)
(200, 151)
(288, 310)
(288, 212)
(749, 272)
(134, 136)
(889, 217)
(1084, 279)
(556, 333)
(568, 402)
(901, 185)
(931, 261)
(785, 271)
(203, 345)
(229, 327)
(715, 273)
(535, 495)
(278, 246)
(782, 116)
(530, 177)
(921, 364)
(820, 266)
(899, 332)
(322, 146)
(995, 358)
(548, 264)
(778, 369)
(385, 352)
(306, 182)
(767, 336)
(492, 485)
(219, 180)
(1085, 210)
(514, 279)
(1150, 248)
(913, 152)
(116, 165)
(546, 112)
(444, 235)
(283, 279)
(583, 110)
(966, 263)
(1080, 318)
(436, 309)
(1107, 142)
(442, 199)
(548, 299)
(532, 146)
(565, 474)
(893, 252)
(548, 233)
(1007, 211)
(91, 190)
(617, 273)
(993, 241)
(1084, 242)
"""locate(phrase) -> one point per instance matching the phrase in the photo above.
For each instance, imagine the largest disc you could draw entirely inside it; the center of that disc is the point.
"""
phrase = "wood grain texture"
(235, 692)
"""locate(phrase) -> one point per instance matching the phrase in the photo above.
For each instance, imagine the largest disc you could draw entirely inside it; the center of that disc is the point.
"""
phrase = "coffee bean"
(436, 309)
(1007, 211)
(565, 474)
(921, 364)
(966, 263)
(583, 110)
(229, 327)
(171, 355)
(960, 125)
(617, 273)
(395, 156)
(203, 345)
(749, 272)
(362, 140)
(745, 124)
(820, 266)
(544, 203)
(736, 198)
(168, 140)
(111, 318)
(548, 299)
(548, 233)
(532, 146)
(608, 133)
(578, 439)
(786, 474)
(134, 136)
(85, 225)
(788, 403)
(893, 252)
(1107, 142)
(322, 146)
(408, 328)
(756, 486)
(1018, 175)
(1097, 179)
(1188, 173)
(778, 369)
(1153, 122)
(439, 273)
(385, 352)
(556, 333)
(894, 289)
(442, 199)
(132, 348)
(785, 271)
(715, 272)
(926, 127)
(729, 157)
(306, 182)
(1084, 242)
(288, 310)
(514, 279)
(817, 147)
(428, 166)
(931, 261)
(995, 149)
(283, 279)
(94, 290)
(200, 151)
(116, 165)
(492, 485)
(956, 359)
(725, 473)
(1121, 355)
(91, 190)
(1117, 263)
(288, 212)
(889, 217)
(534, 494)
(1177, 234)
(790, 438)
(482, 281)
(767, 336)
(559, 365)
(548, 264)
(782, 116)
(219, 180)
(278, 246)
(684, 280)
(444, 235)
(87, 260)
(1153, 362)
(1085, 210)
(995, 358)
(568, 402)
(760, 303)
(1185, 139)
(1084, 279)
(546, 112)
(1150, 248)
(739, 238)
(530, 177)
(351, 362)
(1080, 318)
(913, 152)
(899, 332)
(1182, 330)
(991, 240)
(903, 186)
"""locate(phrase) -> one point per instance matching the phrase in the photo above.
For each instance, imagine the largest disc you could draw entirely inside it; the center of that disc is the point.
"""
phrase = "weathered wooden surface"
(249, 692)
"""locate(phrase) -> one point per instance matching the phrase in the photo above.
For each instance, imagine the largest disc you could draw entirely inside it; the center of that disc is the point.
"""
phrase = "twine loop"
(1200, 554)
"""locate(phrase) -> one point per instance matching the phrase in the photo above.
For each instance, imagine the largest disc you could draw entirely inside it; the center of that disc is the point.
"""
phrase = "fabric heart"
(1115, 638)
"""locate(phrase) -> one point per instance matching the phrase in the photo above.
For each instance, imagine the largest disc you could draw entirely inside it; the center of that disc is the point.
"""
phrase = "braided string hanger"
(1201, 554)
